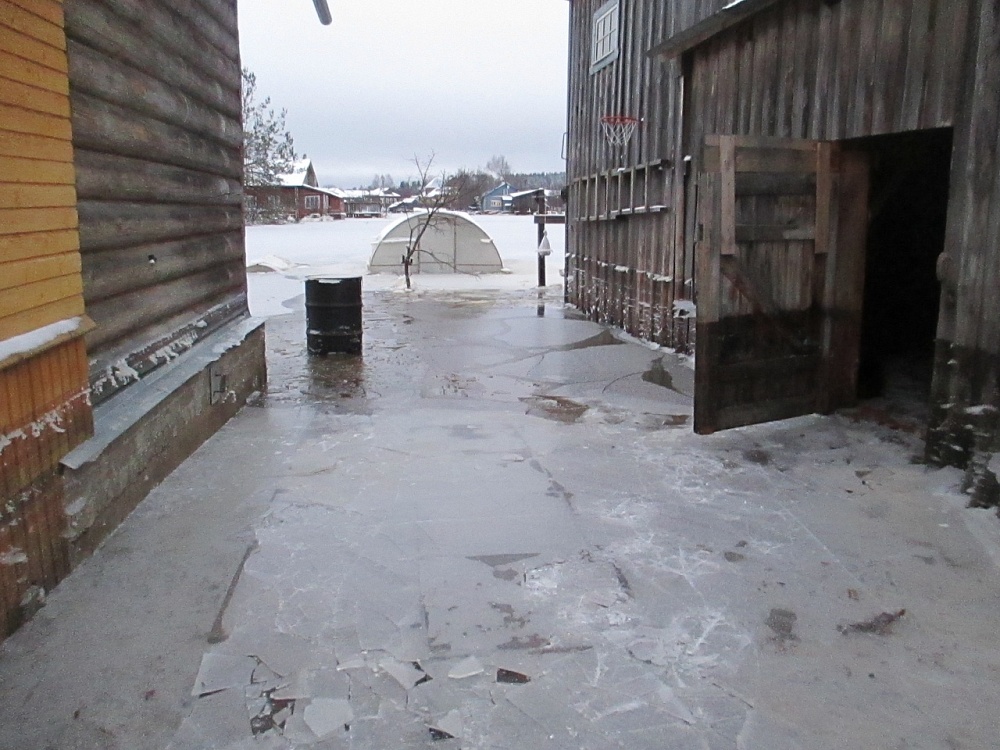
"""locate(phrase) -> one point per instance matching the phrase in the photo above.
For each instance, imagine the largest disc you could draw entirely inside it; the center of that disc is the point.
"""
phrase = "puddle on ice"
(782, 624)
(557, 408)
(604, 338)
(657, 374)
(496, 561)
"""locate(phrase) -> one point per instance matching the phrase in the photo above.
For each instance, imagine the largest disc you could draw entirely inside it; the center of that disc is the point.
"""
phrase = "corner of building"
(140, 439)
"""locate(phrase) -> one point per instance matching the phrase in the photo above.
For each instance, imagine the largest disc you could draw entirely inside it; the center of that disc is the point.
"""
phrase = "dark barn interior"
(907, 213)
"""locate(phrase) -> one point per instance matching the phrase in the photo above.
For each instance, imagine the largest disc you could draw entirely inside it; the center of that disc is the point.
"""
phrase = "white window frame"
(311, 203)
(604, 36)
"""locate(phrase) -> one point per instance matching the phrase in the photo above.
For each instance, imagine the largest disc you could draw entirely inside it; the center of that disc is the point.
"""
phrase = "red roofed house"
(297, 194)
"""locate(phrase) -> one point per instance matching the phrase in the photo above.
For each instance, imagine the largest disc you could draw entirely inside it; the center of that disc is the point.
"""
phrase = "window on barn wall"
(312, 202)
(604, 36)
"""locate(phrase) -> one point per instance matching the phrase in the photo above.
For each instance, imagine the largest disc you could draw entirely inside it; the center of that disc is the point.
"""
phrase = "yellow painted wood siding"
(40, 279)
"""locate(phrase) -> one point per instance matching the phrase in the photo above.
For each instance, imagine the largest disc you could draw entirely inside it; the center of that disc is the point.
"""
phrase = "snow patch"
(27, 342)
(52, 420)
(15, 556)
(174, 349)
(979, 410)
(342, 249)
(685, 308)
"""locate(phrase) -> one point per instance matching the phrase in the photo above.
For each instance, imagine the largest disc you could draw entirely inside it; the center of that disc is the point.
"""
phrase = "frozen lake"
(342, 248)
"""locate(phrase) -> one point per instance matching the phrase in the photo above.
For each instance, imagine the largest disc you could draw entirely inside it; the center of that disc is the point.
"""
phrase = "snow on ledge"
(32, 340)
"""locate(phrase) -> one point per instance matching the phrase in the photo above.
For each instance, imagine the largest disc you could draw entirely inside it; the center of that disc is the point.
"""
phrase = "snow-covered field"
(342, 248)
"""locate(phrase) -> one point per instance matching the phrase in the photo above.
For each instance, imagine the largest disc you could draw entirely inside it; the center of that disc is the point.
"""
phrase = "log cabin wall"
(620, 266)
(156, 115)
(44, 405)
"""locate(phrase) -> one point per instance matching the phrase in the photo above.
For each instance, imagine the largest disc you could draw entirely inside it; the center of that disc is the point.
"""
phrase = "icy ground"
(281, 257)
(496, 531)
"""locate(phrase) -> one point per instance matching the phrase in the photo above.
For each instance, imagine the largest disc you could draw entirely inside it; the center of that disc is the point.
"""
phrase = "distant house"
(368, 203)
(526, 201)
(432, 194)
(385, 197)
(405, 205)
(296, 194)
(492, 200)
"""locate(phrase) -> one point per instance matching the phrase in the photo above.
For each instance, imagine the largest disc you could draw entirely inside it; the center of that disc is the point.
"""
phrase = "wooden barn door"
(780, 275)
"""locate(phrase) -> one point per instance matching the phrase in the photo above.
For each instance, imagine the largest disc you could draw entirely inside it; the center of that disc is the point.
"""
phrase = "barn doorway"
(908, 208)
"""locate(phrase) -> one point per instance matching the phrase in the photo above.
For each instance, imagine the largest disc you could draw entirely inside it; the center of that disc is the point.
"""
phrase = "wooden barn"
(124, 331)
(810, 198)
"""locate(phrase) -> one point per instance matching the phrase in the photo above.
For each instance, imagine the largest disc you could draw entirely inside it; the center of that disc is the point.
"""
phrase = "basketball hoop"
(618, 129)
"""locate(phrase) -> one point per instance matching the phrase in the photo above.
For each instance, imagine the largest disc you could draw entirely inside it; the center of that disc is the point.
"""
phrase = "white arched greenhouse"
(452, 243)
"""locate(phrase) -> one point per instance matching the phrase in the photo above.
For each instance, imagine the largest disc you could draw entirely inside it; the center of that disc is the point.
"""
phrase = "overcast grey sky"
(390, 79)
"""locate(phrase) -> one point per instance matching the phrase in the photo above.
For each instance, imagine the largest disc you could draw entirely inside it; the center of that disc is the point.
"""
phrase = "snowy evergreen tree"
(267, 145)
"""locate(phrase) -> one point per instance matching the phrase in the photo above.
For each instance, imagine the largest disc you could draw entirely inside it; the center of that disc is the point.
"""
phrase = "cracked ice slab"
(409, 485)
(468, 667)
(220, 671)
(328, 716)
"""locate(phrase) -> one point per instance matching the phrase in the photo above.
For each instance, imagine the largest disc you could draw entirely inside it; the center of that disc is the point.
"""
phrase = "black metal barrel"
(333, 315)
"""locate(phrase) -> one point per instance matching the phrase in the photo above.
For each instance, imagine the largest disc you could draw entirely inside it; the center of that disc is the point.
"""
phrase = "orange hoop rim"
(618, 129)
(619, 120)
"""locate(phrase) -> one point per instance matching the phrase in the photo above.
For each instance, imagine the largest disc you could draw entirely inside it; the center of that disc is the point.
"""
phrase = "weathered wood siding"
(44, 406)
(965, 423)
(805, 69)
(621, 265)
(155, 91)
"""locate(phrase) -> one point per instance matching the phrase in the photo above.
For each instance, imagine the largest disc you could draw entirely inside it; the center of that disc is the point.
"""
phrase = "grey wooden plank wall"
(155, 96)
(965, 419)
(805, 69)
(621, 268)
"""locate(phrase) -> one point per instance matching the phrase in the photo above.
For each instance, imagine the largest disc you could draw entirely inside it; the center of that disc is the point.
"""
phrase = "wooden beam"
(727, 197)
(824, 195)
(735, 13)
(773, 233)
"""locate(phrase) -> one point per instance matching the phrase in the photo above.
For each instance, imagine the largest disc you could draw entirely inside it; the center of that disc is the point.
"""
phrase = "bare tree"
(438, 193)
(382, 182)
(468, 187)
(498, 166)
(267, 145)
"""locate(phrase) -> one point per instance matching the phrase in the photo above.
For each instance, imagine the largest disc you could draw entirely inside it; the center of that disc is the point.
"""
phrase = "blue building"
(493, 200)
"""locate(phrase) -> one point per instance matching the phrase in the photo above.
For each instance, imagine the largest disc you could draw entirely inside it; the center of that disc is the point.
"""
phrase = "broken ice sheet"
(221, 671)
(512, 677)
(406, 674)
(327, 716)
(451, 724)
(468, 667)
